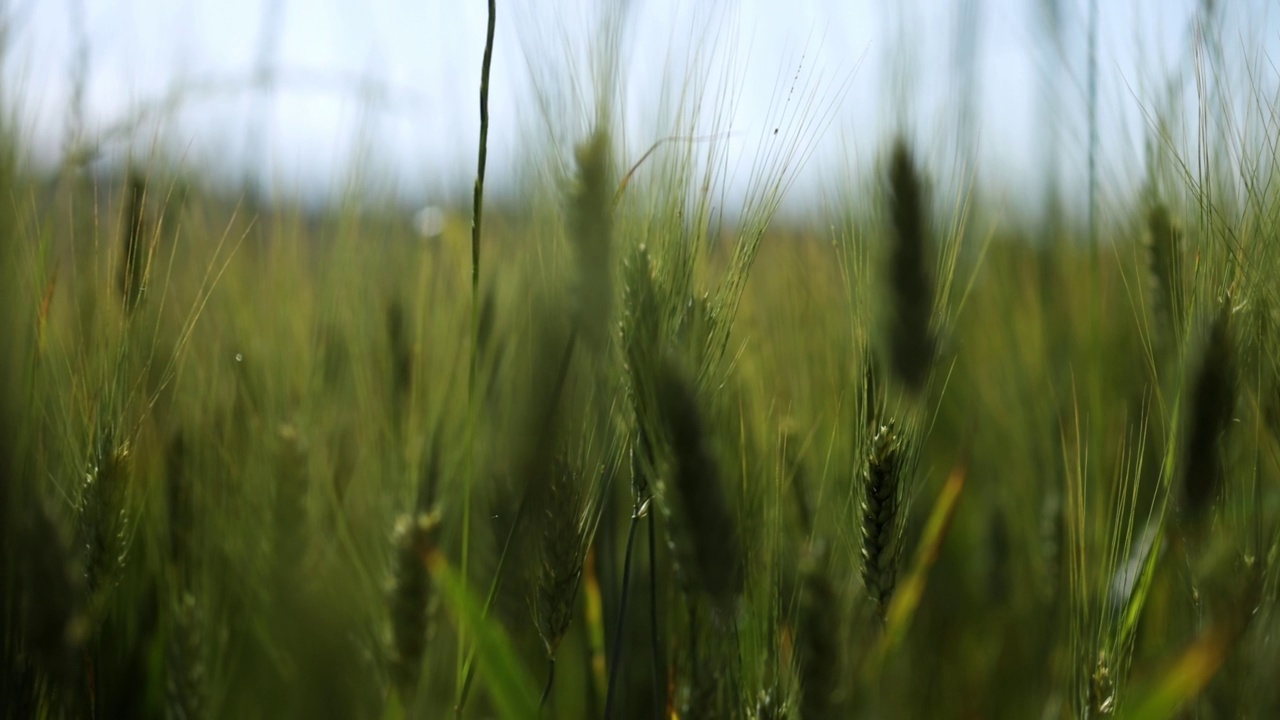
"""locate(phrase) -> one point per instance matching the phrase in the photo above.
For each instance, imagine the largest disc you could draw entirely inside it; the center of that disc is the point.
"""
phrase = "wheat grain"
(882, 487)
(103, 527)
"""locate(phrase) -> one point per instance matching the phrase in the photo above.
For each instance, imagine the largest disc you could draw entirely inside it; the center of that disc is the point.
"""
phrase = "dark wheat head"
(1212, 403)
(911, 342)
(697, 485)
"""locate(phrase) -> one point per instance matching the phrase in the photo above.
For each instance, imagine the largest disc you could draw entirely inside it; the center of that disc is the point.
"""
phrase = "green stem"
(659, 675)
(477, 213)
(619, 626)
(546, 691)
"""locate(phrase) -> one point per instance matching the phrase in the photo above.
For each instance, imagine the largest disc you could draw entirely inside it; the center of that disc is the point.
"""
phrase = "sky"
(306, 97)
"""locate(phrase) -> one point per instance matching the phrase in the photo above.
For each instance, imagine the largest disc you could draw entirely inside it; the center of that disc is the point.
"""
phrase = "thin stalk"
(618, 627)
(477, 214)
(659, 677)
(695, 665)
(546, 691)
(469, 666)
(482, 156)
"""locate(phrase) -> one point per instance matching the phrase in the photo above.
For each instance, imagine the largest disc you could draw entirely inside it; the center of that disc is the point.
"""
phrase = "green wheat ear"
(562, 556)
(414, 537)
(103, 515)
(882, 492)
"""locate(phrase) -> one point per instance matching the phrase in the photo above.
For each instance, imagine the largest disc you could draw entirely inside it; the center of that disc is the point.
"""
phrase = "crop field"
(610, 449)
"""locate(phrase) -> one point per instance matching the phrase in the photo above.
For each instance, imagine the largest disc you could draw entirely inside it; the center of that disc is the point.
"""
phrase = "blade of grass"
(620, 623)
(907, 598)
(508, 680)
(482, 156)
(469, 667)
(1188, 676)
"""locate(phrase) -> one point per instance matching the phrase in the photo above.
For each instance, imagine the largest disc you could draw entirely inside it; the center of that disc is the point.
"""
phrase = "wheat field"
(611, 451)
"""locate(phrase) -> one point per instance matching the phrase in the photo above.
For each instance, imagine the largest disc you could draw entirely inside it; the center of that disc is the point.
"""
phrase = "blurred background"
(294, 99)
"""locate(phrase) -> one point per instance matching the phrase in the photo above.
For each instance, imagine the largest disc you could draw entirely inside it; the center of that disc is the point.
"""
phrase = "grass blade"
(903, 606)
(508, 680)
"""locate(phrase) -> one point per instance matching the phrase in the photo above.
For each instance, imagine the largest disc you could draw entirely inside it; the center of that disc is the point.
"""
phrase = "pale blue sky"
(418, 130)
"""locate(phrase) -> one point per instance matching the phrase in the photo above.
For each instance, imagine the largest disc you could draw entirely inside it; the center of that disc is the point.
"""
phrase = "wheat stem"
(659, 676)
(482, 155)
(619, 625)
